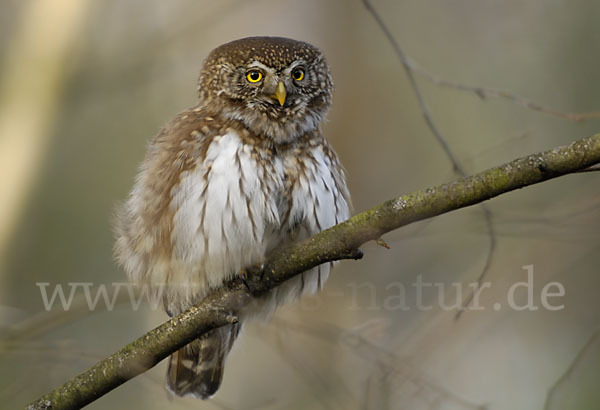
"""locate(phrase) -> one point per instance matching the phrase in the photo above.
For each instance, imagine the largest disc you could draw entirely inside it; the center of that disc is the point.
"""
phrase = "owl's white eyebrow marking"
(258, 64)
(297, 63)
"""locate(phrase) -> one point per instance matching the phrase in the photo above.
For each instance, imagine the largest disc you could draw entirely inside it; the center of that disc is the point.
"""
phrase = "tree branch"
(339, 242)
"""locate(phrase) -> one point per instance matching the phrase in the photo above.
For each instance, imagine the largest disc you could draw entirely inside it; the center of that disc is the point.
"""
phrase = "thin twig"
(482, 92)
(595, 168)
(458, 169)
(45, 321)
(413, 83)
(488, 92)
(339, 242)
(581, 355)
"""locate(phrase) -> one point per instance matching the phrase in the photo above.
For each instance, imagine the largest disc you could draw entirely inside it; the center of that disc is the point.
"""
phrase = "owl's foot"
(243, 275)
(250, 275)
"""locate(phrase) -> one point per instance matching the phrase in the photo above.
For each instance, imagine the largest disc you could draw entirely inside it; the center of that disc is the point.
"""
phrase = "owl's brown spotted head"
(278, 87)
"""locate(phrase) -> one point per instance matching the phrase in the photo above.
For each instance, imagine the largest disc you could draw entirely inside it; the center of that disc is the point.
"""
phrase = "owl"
(225, 183)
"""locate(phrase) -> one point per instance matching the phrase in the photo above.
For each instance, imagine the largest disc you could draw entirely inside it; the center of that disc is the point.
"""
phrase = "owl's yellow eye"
(298, 74)
(254, 76)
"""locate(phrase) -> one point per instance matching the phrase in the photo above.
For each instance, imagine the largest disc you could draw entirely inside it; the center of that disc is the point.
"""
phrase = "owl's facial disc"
(278, 88)
(273, 88)
(280, 102)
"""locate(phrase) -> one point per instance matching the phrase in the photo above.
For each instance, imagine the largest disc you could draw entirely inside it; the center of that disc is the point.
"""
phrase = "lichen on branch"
(339, 242)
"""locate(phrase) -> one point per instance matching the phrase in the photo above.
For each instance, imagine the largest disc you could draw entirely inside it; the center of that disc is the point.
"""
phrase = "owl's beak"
(280, 93)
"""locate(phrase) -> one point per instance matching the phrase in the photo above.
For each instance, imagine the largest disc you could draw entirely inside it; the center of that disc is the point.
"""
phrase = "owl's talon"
(243, 275)
(261, 267)
(250, 274)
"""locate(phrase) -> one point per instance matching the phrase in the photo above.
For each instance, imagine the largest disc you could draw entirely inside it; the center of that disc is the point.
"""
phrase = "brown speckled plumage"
(226, 182)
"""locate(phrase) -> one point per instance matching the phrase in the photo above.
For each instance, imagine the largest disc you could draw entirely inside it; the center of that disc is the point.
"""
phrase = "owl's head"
(278, 87)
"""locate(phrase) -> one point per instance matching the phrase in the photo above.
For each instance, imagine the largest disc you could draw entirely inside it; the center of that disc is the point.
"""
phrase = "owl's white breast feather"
(317, 204)
(237, 204)
(221, 214)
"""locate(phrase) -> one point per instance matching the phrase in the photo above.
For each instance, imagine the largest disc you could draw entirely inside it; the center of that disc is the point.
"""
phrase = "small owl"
(225, 183)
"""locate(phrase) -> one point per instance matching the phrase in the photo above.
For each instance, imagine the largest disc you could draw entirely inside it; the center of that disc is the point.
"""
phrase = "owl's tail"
(197, 369)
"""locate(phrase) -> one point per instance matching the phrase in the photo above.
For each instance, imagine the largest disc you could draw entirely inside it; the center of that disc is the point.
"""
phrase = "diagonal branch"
(339, 242)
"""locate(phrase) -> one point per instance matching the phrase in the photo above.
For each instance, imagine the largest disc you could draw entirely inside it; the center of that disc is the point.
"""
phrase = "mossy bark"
(339, 242)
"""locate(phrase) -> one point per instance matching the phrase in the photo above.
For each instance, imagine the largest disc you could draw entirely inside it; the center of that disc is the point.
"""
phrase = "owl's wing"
(144, 223)
(317, 198)
(199, 209)
(197, 369)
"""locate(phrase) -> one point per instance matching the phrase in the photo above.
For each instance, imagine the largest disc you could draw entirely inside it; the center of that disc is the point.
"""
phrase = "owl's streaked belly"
(225, 209)
(236, 206)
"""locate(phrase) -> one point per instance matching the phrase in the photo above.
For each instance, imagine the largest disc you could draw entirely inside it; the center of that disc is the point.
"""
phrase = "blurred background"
(85, 84)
